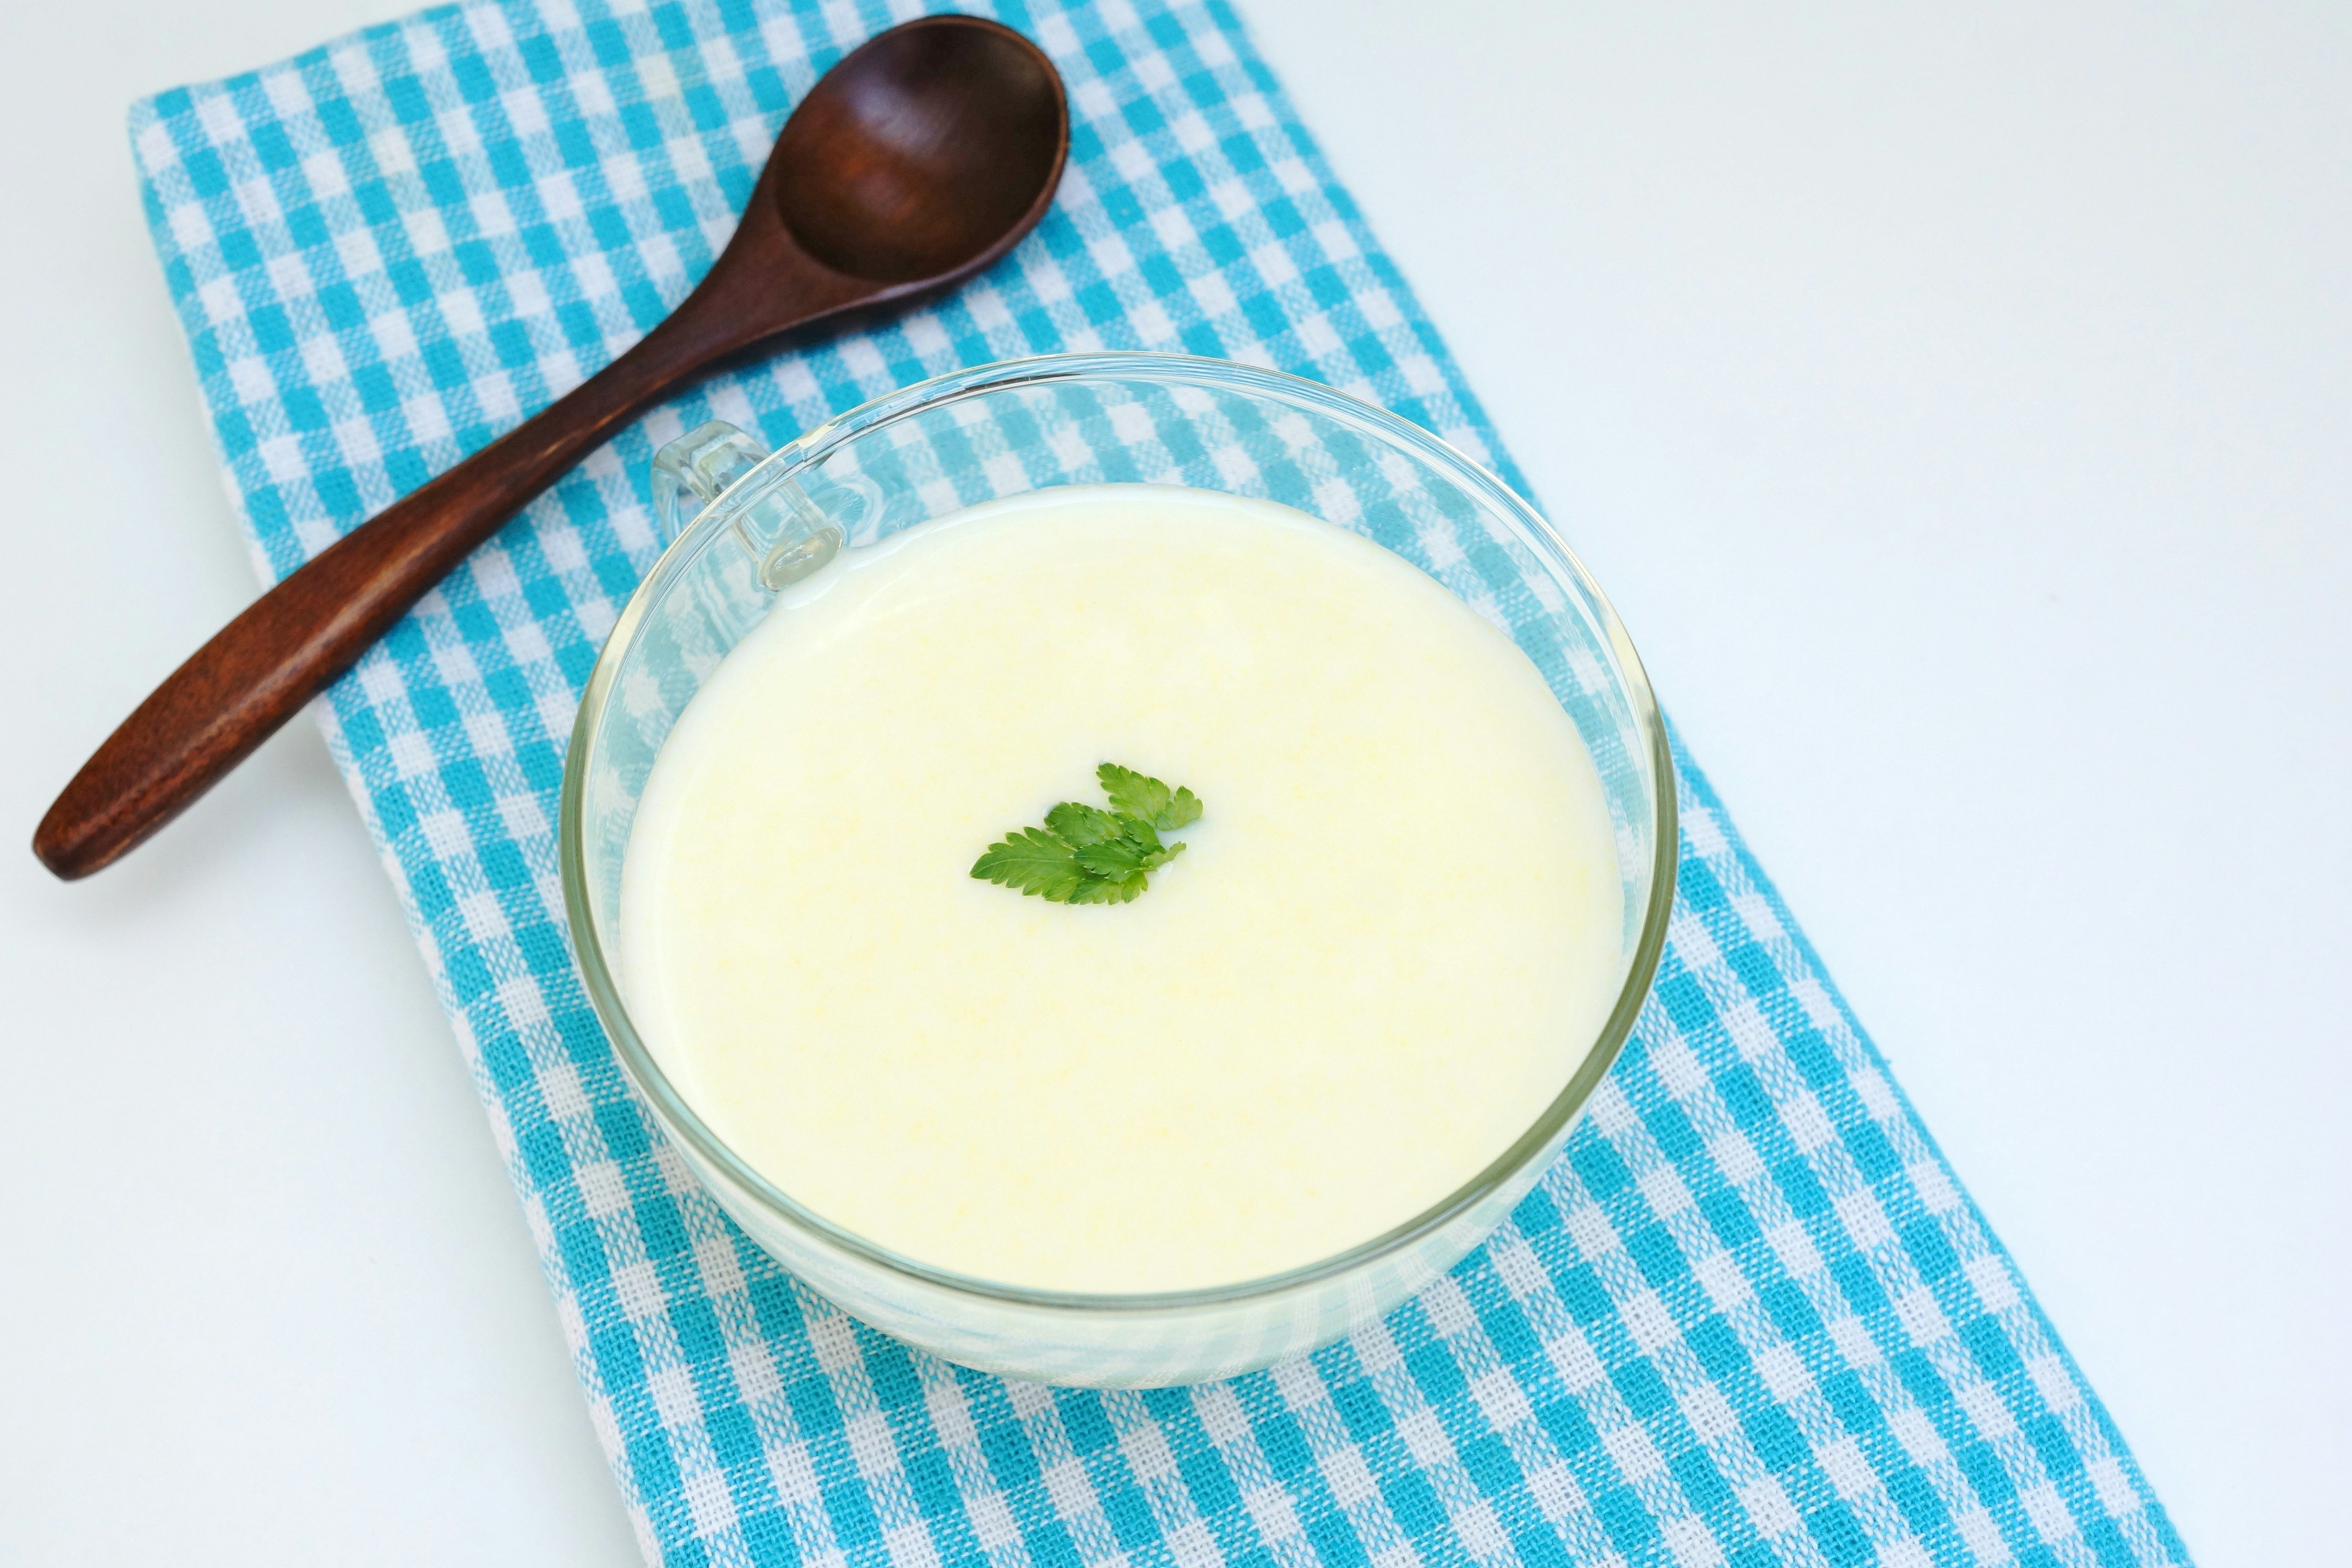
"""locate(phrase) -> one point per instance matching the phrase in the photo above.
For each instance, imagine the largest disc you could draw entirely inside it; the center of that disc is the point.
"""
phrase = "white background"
(1959, 410)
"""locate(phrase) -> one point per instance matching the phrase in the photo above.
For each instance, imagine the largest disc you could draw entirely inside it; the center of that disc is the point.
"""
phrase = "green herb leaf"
(1138, 794)
(1035, 861)
(1080, 825)
(1108, 891)
(1132, 792)
(1182, 809)
(1114, 857)
(1085, 855)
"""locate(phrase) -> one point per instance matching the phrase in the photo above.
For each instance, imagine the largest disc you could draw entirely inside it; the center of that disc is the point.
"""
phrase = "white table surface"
(1959, 408)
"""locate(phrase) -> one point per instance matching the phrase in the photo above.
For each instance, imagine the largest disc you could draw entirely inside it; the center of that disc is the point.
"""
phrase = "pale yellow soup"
(1393, 933)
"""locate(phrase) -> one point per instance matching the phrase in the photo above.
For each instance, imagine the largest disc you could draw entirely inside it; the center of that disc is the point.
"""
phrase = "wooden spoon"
(920, 159)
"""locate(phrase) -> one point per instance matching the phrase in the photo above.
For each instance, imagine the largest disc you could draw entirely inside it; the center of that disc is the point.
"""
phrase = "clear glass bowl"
(762, 522)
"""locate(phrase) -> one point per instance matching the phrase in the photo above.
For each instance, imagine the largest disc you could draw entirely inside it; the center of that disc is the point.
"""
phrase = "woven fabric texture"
(1750, 1318)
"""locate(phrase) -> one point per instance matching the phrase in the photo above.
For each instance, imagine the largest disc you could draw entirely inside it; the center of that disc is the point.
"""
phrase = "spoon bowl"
(921, 160)
(923, 156)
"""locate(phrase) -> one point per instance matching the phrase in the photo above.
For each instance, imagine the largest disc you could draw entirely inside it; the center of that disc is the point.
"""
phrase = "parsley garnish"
(1085, 855)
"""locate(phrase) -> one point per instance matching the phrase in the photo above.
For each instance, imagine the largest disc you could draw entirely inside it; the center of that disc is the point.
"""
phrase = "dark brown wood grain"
(920, 159)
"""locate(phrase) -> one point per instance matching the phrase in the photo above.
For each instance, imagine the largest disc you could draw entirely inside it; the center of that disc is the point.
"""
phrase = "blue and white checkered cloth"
(1750, 1318)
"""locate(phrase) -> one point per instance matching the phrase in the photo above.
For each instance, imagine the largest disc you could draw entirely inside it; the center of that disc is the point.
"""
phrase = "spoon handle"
(235, 691)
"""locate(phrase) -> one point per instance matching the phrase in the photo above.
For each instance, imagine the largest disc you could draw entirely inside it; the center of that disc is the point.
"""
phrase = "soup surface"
(1393, 934)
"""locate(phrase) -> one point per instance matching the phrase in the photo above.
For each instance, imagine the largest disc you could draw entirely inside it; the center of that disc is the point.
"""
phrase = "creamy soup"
(1391, 935)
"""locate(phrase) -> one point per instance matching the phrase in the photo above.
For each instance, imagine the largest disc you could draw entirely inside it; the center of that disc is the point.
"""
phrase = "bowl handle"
(703, 462)
(787, 533)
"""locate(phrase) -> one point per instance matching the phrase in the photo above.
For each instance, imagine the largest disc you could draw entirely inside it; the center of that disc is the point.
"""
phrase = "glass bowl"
(760, 521)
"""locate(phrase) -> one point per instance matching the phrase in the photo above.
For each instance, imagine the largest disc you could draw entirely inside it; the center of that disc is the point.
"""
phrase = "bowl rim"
(679, 1119)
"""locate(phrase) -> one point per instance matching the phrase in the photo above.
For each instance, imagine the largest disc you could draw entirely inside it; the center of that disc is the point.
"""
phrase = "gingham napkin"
(1750, 1317)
